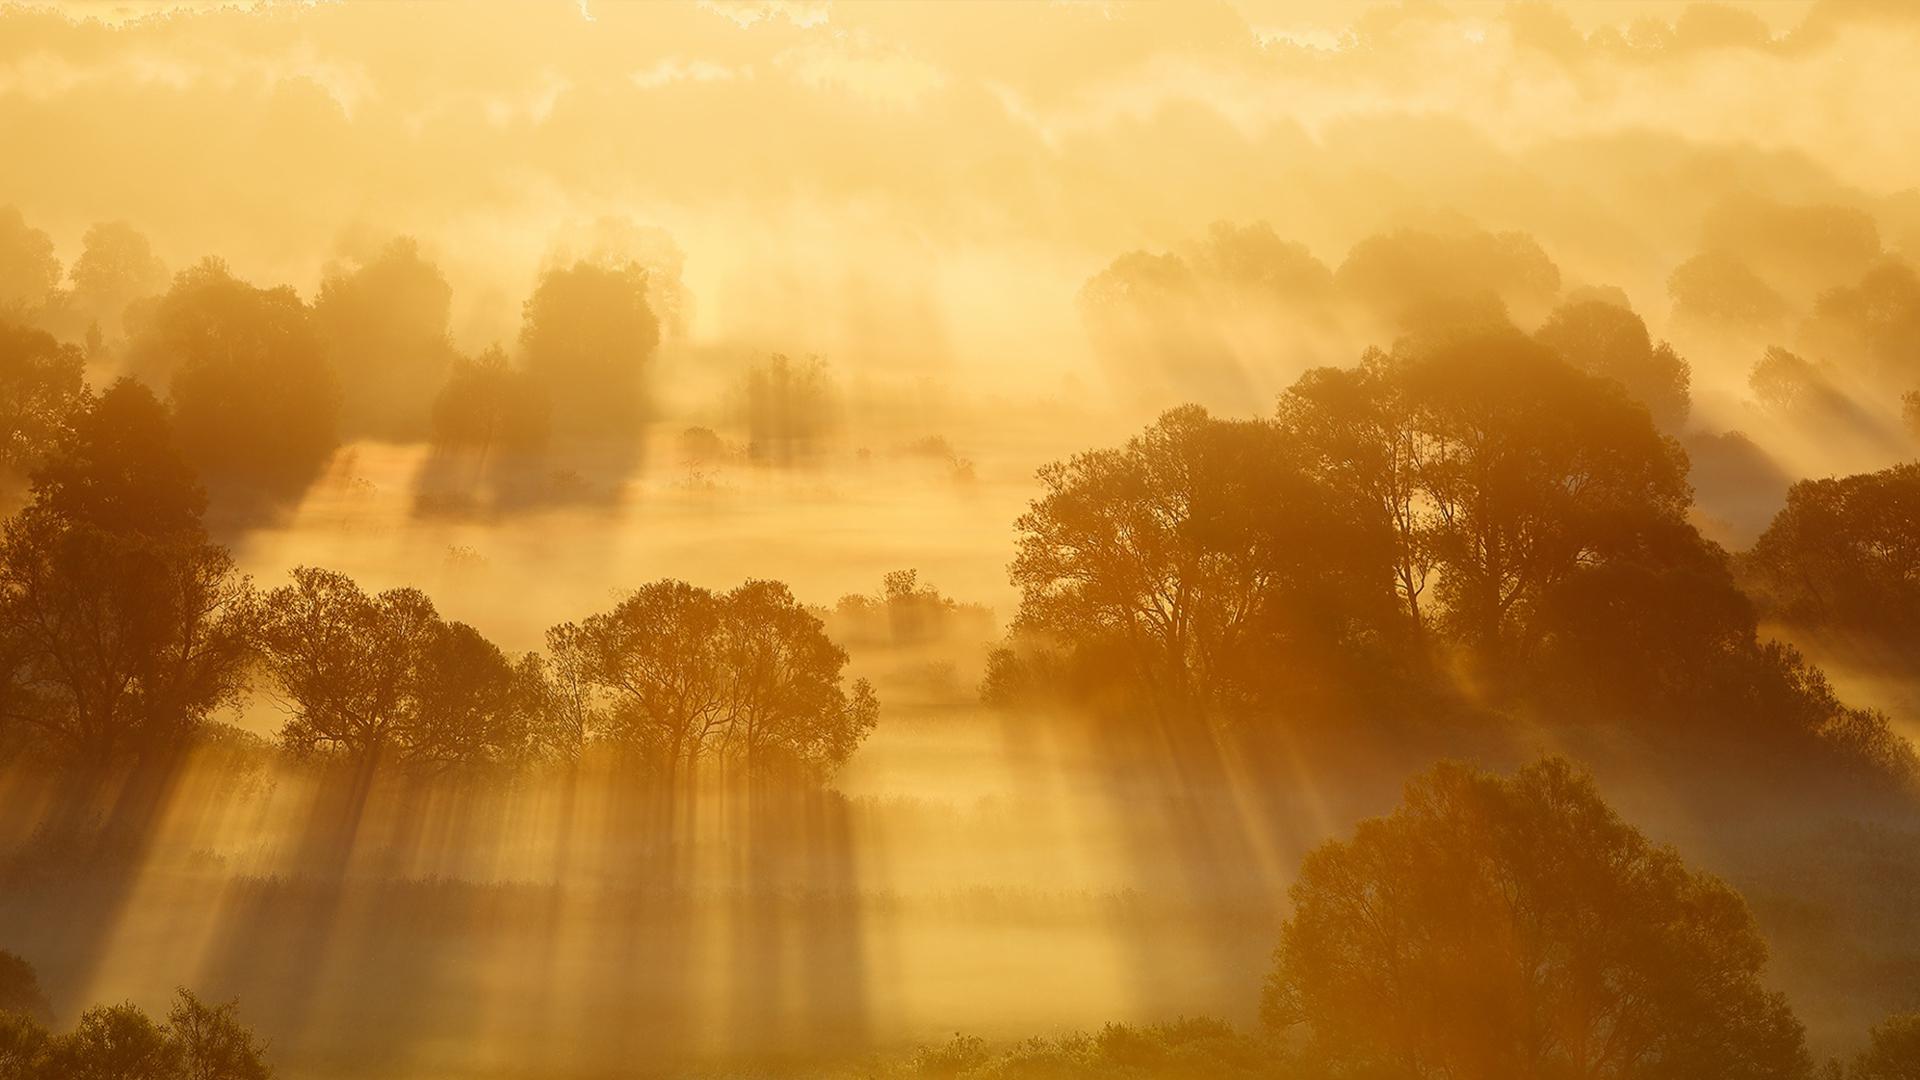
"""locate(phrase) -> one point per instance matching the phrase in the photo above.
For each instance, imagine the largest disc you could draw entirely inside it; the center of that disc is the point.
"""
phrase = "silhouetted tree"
(116, 267)
(1208, 556)
(490, 433)
(29, 272)
(212, 1043)
(385, 678)
(255, 402)
(1532, 470)
(121, 1042)
(383, 323)
(1893, 1051)
(1493, 462)
(1843, 554)
(1516, 927)
(42, 382)
(1601, 338)
(115, 1042)
(20, 991)
(587, 334)
(123, 627)
(676, 673)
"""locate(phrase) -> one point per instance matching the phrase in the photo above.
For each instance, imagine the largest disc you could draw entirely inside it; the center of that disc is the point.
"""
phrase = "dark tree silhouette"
(676, 674)
(1207, 555)
(20, 991)
(384, 678)
(42, 383)
(1892, 1053)
(1495, 463)
(1717, 289)
(123, 627)
(121, 1042)
(1601, 338)
(587, 334)
(383, 323)
(1516, 928)
(1843, 555)
(255, 402)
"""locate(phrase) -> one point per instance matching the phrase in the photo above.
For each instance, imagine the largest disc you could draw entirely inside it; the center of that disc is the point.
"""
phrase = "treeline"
(263, 386)
(1468, 520)
(126, 630)
(197, 1041)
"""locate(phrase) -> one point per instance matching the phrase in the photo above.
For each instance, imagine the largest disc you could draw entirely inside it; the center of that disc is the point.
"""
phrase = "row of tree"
(124, 629)
(1468, 501)
(197, 1041)
(1509, 927)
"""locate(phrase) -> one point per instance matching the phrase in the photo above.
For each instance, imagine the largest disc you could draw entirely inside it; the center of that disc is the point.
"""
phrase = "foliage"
(1517, 927)
(383, 324)
(255, 400)
(675, 674)
(122, 625)
(384, 677)
(41, 386)
(1208, 555)
(1843, 554)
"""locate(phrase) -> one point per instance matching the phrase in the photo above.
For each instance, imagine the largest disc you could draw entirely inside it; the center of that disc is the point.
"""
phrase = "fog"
(577, 297)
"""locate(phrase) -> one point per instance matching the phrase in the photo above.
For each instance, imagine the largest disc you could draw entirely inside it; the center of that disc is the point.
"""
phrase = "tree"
(383, 323)
(115, 1042)
(1494, 463)
(42, 383)
(587, 334)
(29, 272)
(121, 1042)
(675, 674)
(255, 402)
(1356, 429)
(213, 1045)
(1893, 1051)
(385, 678)
(1415, 280)
(1843, 554)
(124, 628)
(1719, 289)
(1873, 325)
(1207, 555)
(1531, 470)
(116, 267)
(490, 428)
(23, 1047)
(1604, 339)
(1515, 927)
(20, 991)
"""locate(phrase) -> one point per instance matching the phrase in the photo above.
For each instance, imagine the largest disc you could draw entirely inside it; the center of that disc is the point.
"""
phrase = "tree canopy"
(1516, 927)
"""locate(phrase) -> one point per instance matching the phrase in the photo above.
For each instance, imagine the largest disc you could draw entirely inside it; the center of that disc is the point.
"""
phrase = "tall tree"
(677, 674)
(1508, 928)
(384, 679)
(42, 384)
(587, 334)
(255, 401)
(1207, 554)
(383, 323)
(123, 627)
